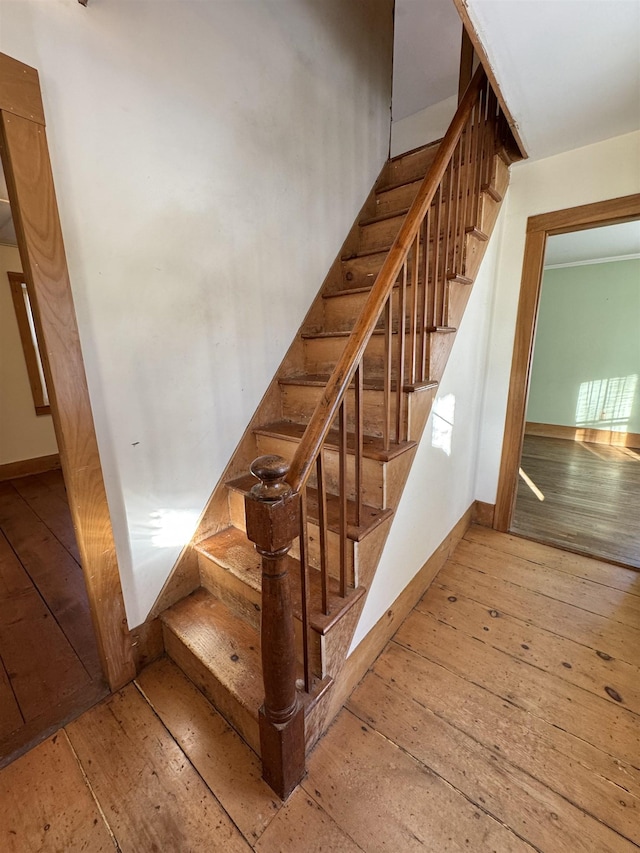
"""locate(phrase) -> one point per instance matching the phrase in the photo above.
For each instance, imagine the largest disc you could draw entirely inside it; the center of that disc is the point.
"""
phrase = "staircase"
(331, 446)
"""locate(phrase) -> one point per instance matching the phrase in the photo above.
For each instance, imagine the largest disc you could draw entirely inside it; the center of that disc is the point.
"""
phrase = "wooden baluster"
(402, 329)
(387, 373)
(273, 521)
(359, 438)
(446, 244)
(491, 137)
(322, 525)
(427, 286)
(465, 188)
(435, 287)
(457, 208)
(414, 305)
(472, 165)
(342, 445)
(304, 580)
(480, 150)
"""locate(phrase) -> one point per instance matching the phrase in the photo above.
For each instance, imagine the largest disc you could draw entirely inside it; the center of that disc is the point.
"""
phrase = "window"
(26, 326)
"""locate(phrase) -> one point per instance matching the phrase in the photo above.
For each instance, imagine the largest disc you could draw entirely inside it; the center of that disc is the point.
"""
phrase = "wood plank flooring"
(503, 716)
(49, 667)
(591, 497)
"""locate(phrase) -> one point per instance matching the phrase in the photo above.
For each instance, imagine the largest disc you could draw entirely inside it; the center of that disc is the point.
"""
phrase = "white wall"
(209, 159)
(586, 361)
(23, 434)
(597, 172)
(422, 127)
(441, 485)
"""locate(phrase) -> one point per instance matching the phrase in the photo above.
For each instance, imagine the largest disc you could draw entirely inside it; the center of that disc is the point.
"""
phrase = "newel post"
(272, 513)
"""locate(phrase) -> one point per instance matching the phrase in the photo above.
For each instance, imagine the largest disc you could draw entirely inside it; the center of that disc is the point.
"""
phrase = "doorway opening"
(570, 471)
(50, 667)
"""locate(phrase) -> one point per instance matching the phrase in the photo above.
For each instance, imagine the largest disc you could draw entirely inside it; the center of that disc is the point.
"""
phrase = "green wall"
(586, 365)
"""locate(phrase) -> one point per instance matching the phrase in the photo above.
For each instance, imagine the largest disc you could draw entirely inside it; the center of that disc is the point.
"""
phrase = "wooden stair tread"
(383, 217)
(312, 336)
(345, 333)
(321, 379)
(225, 644)
(232, 550)
(370, 518)
(372, 445)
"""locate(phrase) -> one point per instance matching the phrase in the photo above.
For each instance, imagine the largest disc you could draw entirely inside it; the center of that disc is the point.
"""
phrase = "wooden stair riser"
(341, 311)
(236, 511)
(243, 719)
(299, 403)
(379, 235)
(246, 602)
(408, 167)
(373, 471)
(239, 596)
(361, 271)
(321, 355)
(397, 199)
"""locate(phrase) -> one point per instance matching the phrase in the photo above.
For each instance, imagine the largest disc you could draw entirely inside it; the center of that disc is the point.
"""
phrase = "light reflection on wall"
(606, 402)
(172, 527)
(443, 419)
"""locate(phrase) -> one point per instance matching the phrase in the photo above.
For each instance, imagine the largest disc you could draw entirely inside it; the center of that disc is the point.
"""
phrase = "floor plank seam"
(627, 624)
(618, 703)
(503, 758)
(443, 779)
(192, 765)
(91, 791)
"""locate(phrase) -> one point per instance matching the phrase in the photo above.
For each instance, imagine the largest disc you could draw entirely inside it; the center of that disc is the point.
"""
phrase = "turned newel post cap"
(271, 471)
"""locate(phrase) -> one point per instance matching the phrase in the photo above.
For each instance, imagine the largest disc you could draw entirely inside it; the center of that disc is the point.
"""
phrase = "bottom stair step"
(221, 655)
(231, 551)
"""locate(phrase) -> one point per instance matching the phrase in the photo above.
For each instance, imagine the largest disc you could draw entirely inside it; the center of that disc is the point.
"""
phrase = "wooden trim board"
(461, 6)
(583, 434)
(364, 655)
(25, 158)
(483, 513)
(539, 227)
(25, 467)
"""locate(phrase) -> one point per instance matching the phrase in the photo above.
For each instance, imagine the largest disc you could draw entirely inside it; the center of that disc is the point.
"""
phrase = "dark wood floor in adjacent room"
(591, 497)
(49, 666)
(503, 716)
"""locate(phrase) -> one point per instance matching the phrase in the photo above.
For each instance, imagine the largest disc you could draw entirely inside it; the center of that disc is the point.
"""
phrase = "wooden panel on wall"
(29, 179)
(20, 90)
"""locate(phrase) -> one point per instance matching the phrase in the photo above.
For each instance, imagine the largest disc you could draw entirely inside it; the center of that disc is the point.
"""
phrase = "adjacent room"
(579, 477)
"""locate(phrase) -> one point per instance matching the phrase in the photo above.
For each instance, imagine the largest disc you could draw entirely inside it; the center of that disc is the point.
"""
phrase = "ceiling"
(595, 244)
(569, 70)
(426, 54)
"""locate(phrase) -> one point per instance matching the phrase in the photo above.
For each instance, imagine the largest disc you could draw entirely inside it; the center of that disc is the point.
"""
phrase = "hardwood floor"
(49, 666)
(591, 497)
(503, 716)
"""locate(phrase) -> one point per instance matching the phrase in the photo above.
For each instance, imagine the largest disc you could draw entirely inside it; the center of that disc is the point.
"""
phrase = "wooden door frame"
(25, 156)
(540, 227)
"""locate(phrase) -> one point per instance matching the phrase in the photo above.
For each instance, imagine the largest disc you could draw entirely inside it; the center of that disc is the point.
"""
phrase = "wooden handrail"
(339, 381)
